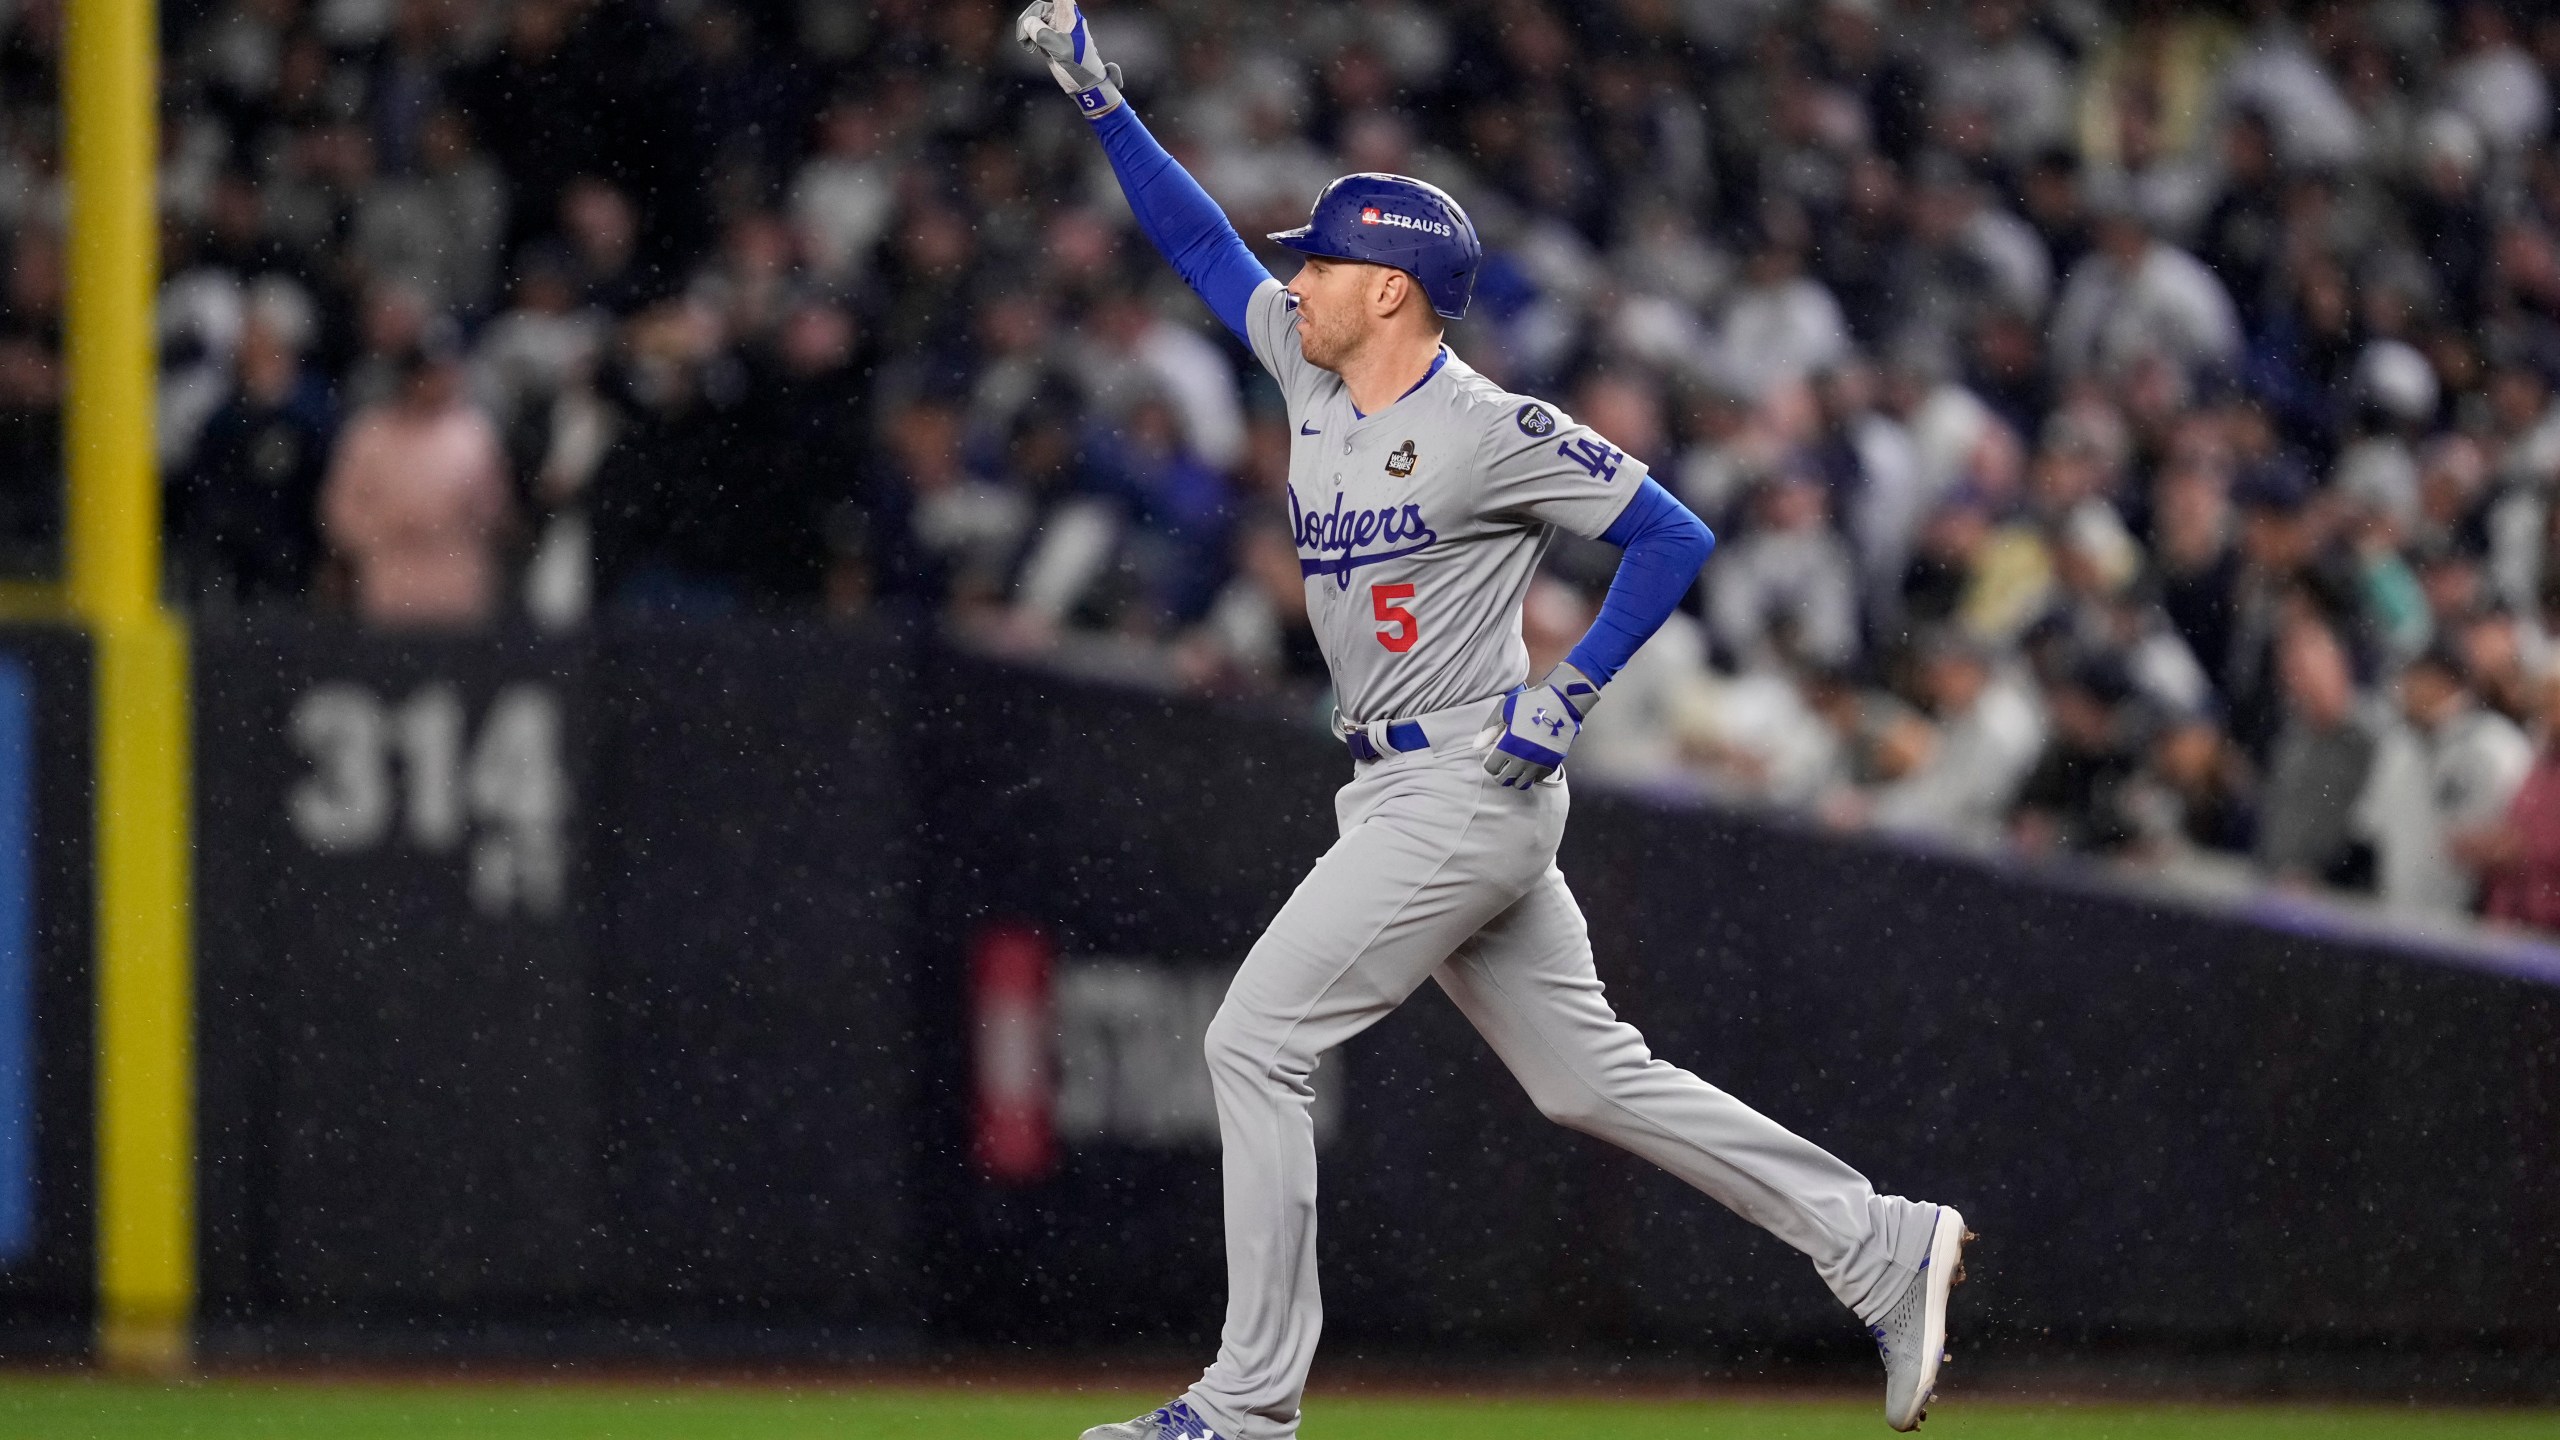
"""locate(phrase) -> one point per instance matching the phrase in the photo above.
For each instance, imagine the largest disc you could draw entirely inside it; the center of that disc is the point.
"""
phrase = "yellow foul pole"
(146, 1096)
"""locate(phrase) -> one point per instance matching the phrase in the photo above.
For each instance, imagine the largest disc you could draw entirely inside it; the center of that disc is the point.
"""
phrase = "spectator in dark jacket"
(2073, 800)
(666, 496)
(248, 505)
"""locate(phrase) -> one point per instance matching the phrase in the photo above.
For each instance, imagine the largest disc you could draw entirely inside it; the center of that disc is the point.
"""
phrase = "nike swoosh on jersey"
(1303, 430)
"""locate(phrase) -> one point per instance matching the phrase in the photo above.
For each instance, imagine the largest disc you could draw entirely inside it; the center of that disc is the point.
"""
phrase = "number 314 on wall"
(505, 794)
(1397, 629)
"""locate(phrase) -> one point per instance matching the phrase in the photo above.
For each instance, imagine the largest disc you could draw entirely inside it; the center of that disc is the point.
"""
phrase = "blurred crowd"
(2130, 427)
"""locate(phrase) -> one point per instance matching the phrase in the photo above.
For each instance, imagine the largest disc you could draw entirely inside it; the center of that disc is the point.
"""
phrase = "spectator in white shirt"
(1783, 325)
(2004, 76)
(847, 194)
(1990, 732)
(437, 231)
(1790, 569)
(2452, 767)
(1960, 232)
(2137, 298)
(2278, 75)
(2495, 82)
(542, 342)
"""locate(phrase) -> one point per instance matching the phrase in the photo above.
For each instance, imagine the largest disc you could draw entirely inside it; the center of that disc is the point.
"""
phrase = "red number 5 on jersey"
(1397, 629)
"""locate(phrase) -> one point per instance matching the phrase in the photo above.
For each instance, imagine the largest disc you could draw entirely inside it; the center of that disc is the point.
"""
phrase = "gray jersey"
(1420, 527)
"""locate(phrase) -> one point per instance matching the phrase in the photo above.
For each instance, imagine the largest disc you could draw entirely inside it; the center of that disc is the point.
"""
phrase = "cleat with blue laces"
(1176, 1421)
(1912, 1338)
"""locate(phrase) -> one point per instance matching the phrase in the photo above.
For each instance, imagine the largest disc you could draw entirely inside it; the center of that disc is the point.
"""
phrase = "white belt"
(1371, 740)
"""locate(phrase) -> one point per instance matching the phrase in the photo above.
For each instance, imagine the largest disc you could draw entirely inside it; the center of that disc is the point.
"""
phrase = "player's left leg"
(1431, 848)
(1527, 983)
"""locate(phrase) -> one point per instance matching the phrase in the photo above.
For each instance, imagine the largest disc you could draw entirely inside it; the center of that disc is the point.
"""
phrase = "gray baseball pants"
(1440, 873)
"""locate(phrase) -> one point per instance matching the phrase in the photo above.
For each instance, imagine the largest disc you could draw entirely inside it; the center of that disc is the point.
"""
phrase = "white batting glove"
(1055, 31)
(1539, 723)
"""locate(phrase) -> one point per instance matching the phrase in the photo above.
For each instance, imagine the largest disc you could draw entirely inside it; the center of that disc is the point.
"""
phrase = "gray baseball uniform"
(1418, 530)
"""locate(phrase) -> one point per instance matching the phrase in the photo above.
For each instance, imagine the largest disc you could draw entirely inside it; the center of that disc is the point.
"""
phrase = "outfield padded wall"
(557, 986)
(717, 1097)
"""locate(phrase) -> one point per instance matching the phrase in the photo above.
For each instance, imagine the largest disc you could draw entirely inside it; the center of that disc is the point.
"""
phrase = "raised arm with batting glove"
(1179, 218)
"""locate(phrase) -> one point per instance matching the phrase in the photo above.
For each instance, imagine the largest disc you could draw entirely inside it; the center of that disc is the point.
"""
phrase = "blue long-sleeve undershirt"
(1186, 226)
(1664, 546)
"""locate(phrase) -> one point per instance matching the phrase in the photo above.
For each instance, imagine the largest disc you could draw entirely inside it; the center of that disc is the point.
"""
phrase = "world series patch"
(1401, 462)
(1535, 421)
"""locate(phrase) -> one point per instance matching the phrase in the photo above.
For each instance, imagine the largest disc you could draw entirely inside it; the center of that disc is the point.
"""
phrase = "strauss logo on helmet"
(1372, 215)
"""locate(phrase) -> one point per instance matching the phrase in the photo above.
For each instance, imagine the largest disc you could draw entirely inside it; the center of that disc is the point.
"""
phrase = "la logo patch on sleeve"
(1535, 421)
(1400, 460)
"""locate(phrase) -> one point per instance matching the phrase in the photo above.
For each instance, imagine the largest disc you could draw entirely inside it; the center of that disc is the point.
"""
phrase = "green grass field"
(75, 1408)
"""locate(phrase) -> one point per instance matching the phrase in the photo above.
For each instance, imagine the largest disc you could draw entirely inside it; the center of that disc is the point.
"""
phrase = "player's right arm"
(1185, 225)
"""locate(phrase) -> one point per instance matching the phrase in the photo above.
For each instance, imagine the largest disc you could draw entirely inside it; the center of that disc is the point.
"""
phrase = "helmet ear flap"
(1420, 294)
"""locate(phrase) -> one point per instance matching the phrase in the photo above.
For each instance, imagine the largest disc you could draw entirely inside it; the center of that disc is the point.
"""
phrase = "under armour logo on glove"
(1535, 737)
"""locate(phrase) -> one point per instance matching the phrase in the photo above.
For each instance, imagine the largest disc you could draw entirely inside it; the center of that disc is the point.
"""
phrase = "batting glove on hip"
(1055, 31)
(1539, 723)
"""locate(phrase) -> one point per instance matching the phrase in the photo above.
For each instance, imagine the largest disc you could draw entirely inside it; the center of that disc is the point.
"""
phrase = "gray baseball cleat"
(1176, 1421)
(1913, 1337)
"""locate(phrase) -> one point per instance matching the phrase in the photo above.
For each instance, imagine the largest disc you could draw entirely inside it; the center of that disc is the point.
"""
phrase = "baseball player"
(1421, 495)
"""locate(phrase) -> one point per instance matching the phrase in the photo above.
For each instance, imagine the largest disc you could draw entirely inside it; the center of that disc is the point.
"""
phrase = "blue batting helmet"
(1399, 221)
